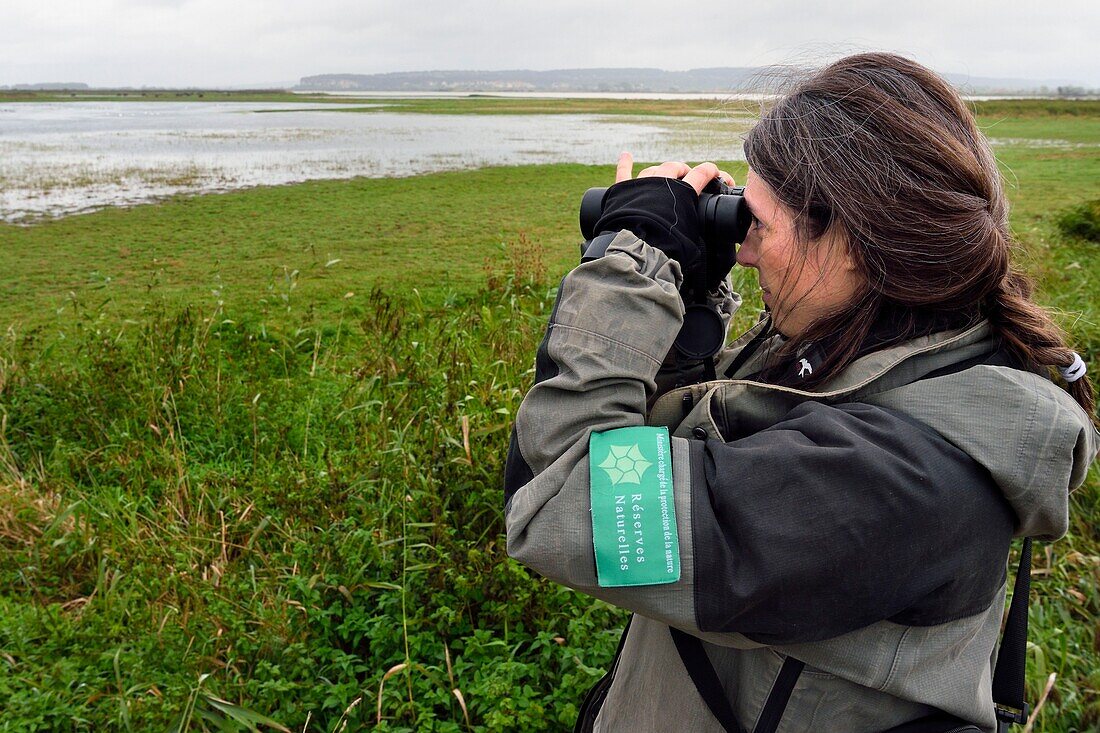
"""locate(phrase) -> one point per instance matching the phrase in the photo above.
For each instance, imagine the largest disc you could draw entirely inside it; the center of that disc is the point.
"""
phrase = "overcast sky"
(239, 42)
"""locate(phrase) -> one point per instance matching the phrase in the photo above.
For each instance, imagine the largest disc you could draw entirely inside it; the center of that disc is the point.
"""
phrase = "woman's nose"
(746, 253)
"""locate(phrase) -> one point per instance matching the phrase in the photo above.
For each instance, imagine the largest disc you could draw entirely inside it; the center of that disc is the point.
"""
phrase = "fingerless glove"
(663, 213)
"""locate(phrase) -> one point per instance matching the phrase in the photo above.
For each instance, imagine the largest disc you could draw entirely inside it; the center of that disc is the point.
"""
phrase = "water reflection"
(64, 158)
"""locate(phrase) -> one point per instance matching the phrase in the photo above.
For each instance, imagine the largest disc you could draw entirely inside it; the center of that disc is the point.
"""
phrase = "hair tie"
(1074, 371)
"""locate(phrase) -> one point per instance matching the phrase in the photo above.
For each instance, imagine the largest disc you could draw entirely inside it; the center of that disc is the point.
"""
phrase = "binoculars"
(723, 214)
(724, 220)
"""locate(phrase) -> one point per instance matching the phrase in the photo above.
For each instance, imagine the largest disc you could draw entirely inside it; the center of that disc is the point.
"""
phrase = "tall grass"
(286, 511)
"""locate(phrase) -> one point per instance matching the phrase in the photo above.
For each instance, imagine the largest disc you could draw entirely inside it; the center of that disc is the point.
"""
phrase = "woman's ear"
(841, 246)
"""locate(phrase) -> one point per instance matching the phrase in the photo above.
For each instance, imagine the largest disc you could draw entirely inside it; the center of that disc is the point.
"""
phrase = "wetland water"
(65, 158)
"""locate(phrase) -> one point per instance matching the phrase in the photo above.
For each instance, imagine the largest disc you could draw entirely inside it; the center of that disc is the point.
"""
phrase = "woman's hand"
(697, 177)
(663, 212)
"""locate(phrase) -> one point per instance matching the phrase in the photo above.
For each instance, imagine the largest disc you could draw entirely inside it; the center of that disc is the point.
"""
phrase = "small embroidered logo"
(625, 464)
(806, 368)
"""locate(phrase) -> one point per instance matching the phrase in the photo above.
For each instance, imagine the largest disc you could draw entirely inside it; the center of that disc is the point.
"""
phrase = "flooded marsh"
(65, 158)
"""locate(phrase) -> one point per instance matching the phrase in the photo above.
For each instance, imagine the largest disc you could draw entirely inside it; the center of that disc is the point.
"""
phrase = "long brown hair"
(880, 149)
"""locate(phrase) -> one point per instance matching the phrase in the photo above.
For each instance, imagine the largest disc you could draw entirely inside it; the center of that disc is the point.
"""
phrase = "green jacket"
(861, 526)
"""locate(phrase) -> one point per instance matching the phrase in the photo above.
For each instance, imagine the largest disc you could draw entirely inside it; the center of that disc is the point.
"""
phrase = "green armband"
(633, 512)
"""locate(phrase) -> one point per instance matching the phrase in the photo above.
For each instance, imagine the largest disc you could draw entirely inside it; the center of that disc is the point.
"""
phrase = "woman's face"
(801, 281)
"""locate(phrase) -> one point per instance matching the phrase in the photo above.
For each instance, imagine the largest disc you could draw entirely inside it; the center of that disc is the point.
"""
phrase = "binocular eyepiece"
(724, 217)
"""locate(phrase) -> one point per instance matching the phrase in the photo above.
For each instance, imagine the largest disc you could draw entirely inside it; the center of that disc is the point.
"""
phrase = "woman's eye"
(755, 223)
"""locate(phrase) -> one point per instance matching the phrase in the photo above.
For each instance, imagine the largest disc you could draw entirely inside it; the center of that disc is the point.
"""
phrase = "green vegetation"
(251, 448)
(1052, 132)
(1082, 221)
(1041, 108)
(312, 243)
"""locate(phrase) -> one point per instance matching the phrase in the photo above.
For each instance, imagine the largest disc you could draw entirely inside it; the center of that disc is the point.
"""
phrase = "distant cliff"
(53, 86)
(562, 80)
(721, 80)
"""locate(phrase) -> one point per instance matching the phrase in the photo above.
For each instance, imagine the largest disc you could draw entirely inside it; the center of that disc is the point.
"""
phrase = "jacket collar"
(890, 329)
(921, 356)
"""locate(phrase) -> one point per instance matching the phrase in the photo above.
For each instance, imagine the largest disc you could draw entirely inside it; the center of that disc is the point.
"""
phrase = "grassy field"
(251, 449)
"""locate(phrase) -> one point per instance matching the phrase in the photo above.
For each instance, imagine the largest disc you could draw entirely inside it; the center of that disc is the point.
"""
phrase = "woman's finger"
(699, 176)
(670, 169)
(624, 169)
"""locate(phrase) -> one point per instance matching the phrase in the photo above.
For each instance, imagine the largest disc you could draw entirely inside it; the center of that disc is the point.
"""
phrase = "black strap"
(708, 369)
(780, 695)
(593, 699)
(706, 681)
(1008, 676)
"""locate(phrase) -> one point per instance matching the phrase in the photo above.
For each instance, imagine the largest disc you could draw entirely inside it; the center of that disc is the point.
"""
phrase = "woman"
(846, 493)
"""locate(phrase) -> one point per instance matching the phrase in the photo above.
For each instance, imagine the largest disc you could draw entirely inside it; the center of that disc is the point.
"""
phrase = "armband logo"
(625, 464)
(634, 535)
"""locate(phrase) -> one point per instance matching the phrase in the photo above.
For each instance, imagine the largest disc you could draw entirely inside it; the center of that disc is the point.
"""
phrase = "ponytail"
(1029, 332)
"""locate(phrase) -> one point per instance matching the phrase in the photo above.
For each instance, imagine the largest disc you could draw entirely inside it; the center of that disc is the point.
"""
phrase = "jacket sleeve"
(837, 517)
